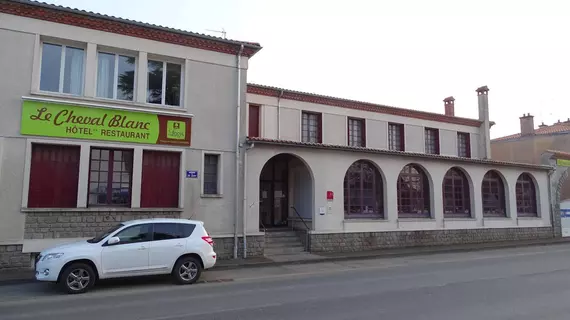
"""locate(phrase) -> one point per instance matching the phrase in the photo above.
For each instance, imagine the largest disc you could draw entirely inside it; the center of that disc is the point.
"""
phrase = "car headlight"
(51, 256)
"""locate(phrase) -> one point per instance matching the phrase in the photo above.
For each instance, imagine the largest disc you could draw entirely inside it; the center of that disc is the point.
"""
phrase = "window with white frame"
(211, 179)
(164, 83)
(62, 69)
(115, 76)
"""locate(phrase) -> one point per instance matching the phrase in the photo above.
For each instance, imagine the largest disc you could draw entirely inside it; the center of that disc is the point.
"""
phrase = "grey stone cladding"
(83, 223)
(11, 257)
(361, 241)
(224, 247)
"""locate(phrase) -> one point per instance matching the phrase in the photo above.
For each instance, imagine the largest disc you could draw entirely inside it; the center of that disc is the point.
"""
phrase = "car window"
(134, 234)
(186, 229)
(165, 231)
(169, 231)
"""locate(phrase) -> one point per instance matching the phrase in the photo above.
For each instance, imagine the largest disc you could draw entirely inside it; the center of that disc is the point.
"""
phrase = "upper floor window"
(115, 76)
(164, 83)
(356, 132)
(432, 141)
(396, 137)
(311, 127)
(463, 145)
(62, 69)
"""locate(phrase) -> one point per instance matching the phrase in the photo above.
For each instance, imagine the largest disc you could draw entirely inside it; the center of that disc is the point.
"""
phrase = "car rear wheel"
(77, 278)
(187, 270)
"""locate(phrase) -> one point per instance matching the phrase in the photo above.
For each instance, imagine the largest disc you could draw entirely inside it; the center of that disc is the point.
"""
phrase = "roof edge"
(251, 48)
(270, 91)
(291, 143)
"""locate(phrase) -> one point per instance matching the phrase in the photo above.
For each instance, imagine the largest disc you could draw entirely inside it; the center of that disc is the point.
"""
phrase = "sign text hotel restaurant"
(67, 121)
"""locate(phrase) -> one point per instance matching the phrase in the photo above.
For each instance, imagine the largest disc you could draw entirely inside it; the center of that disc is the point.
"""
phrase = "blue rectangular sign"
(191, 174)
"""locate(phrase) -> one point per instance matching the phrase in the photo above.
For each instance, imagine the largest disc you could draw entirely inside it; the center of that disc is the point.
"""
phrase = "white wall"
(328, 168)
(210, 92)
(335, 124)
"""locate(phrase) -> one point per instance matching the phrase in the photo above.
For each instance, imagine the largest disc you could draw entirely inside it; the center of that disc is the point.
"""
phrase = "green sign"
(67, 121)
(563, 163)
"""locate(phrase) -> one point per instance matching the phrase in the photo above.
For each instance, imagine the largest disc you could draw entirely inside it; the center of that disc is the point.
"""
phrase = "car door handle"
(179, 245)
(142, 248)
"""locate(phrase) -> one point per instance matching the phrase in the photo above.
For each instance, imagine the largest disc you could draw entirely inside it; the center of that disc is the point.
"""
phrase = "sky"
(404, 53)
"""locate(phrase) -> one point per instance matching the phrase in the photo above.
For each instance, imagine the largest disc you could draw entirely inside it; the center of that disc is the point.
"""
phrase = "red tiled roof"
(392, 152)
(358, 105)
(556, 128)
(559, 154)
(101, 22)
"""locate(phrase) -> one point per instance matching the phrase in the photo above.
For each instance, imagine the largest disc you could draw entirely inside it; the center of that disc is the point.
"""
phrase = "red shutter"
(468, 144)
(402, 138)
(363, 133)
(54, 175)
(320, 119)
(253, 120)
(160, 179)
(436, 132)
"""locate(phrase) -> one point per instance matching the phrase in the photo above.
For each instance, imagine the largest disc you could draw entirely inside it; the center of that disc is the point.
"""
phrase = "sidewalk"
(19, 276)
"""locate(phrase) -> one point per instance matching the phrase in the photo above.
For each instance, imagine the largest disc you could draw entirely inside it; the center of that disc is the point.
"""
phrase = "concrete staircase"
(282, 242)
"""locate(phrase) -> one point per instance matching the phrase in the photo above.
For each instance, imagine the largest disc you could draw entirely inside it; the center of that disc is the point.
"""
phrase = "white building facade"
(364, 176)
(105, 120)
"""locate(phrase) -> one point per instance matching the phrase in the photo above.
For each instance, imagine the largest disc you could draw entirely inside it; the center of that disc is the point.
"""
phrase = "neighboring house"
(105, 119)
(528, 145)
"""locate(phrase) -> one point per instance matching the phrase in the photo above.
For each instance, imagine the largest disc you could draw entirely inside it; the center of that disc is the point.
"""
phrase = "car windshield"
(105, 234)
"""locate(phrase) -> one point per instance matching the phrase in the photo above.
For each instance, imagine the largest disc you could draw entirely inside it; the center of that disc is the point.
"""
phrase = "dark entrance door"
(273, 189)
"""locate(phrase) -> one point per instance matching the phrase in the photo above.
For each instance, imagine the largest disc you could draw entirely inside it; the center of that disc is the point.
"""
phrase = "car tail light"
(208, 240)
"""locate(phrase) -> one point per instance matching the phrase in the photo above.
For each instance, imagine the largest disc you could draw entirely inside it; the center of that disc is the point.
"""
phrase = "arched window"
(456, 197)
(526, 196)
(493, 194)
(413, 193)
(363, 194)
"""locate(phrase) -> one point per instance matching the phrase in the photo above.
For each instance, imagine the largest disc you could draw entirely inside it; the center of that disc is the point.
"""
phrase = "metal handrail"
(263, 226)
(307, 246)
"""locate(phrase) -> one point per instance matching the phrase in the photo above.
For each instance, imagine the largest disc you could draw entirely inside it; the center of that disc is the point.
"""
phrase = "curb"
(364, 256)
(388, 254)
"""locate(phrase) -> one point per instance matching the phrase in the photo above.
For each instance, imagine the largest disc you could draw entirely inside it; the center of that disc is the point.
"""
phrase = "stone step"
(283, 244)
(274, 234)
(285, 250)
(282, 240)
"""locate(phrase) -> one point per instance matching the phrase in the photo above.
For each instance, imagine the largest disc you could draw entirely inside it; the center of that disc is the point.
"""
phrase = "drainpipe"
(279, 115)
(245, 198)
(238, 146)
(551, 203)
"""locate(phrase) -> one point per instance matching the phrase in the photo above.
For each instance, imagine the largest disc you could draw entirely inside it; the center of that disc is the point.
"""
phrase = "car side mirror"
(113, 240)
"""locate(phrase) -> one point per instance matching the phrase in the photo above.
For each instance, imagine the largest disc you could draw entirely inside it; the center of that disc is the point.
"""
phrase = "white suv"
(133, 248)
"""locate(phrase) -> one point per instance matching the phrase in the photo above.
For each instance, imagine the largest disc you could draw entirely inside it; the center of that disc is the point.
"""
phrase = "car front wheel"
(77, 278)
(187, 270)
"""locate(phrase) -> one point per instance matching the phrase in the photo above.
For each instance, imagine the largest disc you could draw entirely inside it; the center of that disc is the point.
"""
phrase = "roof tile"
(393, 152)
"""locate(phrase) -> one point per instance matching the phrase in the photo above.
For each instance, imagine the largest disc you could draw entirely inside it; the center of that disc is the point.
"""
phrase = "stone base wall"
(224, 247)
(361, 241)
(11, 257)
(83, 223)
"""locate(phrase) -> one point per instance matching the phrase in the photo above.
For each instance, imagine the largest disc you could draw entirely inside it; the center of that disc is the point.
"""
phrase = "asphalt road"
(528, 283)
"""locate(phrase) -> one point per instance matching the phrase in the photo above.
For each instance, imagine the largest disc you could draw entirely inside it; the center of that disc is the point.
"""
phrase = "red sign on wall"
(330, 195)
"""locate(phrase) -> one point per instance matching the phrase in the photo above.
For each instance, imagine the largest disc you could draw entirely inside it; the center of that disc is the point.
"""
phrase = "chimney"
(527, 124)
(484, 129)
(542, 125)
(449, 104)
